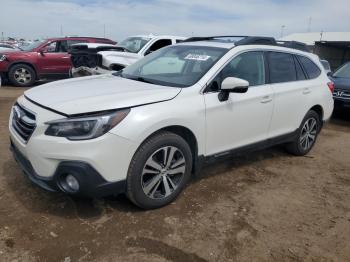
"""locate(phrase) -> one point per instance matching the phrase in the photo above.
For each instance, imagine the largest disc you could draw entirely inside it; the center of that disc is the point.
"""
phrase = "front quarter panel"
(187, 110)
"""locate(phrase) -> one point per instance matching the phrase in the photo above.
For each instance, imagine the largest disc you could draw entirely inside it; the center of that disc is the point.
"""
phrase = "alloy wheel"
(163, 172)
(22, 76)
(308, 134)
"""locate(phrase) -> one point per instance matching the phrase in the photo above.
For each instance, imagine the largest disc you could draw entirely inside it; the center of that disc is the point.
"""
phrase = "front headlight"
(2, 58)
(86, 127)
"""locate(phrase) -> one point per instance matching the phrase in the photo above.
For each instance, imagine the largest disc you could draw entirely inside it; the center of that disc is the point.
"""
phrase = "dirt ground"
(265, 206)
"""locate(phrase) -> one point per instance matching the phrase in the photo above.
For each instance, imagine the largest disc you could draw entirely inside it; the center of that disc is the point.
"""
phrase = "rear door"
(243, 119)
(291, 92)
(55, 60)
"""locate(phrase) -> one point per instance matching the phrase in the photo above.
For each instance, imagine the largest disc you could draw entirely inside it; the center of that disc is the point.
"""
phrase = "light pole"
(282, 30)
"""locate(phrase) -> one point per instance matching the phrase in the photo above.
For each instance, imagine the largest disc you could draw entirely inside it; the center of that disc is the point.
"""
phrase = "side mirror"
(232, 85)
(43, 50)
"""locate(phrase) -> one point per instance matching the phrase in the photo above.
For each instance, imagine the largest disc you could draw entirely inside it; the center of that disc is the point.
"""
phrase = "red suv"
(42, 59)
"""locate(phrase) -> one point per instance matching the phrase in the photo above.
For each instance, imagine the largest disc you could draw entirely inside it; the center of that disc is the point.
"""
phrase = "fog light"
(72, 183)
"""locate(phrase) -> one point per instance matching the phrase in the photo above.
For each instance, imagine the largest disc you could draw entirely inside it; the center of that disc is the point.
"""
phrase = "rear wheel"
(159, 170)
(22, 75)
(307, 134)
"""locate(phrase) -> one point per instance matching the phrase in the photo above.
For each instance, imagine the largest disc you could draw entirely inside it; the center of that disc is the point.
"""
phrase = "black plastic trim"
(91, 183)
(253, 147)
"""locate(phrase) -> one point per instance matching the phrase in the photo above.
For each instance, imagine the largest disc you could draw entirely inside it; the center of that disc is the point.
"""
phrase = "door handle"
(266, 99)
(306, 91)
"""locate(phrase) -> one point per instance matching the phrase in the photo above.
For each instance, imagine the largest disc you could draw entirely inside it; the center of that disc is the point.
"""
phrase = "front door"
(54, 59)
(245, 118)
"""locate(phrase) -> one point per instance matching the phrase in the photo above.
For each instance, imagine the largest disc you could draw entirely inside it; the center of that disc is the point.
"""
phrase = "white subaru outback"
(146, 129)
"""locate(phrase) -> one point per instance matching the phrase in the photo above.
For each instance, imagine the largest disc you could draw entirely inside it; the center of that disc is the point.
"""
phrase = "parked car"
(146, 129)
(85, 59)
(341, 79)
(42, 59)
(128, 52)
(326, 66)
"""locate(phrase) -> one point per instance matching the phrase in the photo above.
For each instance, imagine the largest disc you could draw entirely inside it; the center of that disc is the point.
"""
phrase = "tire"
(153, 182)
(22, 75)
(307, 135)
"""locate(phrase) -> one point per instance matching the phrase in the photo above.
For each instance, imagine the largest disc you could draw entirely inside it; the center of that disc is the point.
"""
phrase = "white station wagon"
(147, 129)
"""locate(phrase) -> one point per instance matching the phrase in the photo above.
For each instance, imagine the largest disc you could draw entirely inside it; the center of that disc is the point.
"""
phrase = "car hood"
(341, 83)
(98, 93)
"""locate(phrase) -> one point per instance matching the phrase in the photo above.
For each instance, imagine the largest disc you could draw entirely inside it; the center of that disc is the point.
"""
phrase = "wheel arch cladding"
(319, 110)
(188, 136)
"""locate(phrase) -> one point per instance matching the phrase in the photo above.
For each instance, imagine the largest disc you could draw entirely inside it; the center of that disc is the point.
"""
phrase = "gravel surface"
(264, 206)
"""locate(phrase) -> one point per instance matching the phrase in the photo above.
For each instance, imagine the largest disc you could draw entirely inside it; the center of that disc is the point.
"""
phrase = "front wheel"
(159, 170)
(22, 75)
(307, 135)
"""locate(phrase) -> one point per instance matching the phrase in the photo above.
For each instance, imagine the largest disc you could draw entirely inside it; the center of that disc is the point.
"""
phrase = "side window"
(310, 67)
(298, 68)
(51, 48)
(282, 67)
(179, 41)
(248, 66)
(62, 47)
(158, 45)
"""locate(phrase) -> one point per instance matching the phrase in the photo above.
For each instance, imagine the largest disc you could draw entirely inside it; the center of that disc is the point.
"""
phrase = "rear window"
(300, 73)
(282, 67)
(312, 70)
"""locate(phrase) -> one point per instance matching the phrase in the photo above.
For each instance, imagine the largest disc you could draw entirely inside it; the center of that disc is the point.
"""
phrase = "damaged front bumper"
(87, 71)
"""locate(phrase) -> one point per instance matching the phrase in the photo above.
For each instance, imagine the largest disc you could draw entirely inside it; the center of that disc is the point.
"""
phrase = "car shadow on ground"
(341, 117)
(37, 200)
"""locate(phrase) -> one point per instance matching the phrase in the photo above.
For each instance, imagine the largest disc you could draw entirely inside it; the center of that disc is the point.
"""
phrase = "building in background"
(331, 46)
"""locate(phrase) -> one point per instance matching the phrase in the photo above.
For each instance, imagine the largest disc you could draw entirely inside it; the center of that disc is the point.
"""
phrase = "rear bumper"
(91, 183)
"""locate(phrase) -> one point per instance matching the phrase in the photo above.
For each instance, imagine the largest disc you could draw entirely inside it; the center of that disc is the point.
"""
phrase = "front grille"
(340, 93)
(23, 122)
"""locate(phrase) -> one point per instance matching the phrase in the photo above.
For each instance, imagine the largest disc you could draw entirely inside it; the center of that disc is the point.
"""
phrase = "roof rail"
(208, 38)
(257, 40)
(294, 44)
(253, 40)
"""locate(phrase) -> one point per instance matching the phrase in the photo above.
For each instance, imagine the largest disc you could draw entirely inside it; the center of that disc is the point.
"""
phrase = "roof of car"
(76, 37)
(227, 45)
(266, 43)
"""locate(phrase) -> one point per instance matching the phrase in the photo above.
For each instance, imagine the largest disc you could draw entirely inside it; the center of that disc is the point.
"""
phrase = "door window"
(158, 45)
(57, 47)
(51, 48)
(248, 66)
(282, 67)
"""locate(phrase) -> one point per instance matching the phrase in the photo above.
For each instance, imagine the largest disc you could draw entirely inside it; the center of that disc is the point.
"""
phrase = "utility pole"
(282, 30)
(2, 36)
(104, 30)
(309, 25)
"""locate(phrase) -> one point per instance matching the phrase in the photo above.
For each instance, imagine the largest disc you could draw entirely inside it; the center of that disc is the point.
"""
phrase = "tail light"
(331, 86)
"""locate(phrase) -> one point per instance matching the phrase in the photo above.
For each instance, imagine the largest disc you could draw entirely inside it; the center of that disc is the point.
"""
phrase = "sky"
(117, 19)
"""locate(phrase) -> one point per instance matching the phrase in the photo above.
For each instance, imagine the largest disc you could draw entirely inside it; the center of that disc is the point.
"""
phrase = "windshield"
(343, 72)
(134, 44)
(177, 66)
(31, 46)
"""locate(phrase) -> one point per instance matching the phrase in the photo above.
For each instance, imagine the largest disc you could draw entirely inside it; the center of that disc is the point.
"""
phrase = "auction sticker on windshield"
(197, 57)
